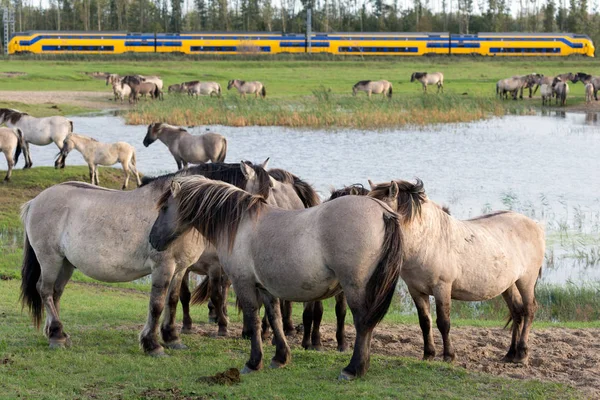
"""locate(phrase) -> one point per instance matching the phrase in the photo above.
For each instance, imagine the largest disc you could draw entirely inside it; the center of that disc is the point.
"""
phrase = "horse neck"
(431, 226)
(284, 195)
(82, 143)
(170, 137)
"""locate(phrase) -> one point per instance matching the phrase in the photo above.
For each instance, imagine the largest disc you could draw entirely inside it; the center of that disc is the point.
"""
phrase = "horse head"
(231, 83)
(152, 133)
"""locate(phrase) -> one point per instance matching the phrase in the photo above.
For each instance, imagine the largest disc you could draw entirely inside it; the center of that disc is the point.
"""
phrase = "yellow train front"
(353, 44)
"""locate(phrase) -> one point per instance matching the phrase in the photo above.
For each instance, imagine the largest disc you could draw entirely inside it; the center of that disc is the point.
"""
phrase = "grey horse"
(378, 87)
(436, 78)
(187, 148)
(561, 90)
(594, 80)
(256, 88)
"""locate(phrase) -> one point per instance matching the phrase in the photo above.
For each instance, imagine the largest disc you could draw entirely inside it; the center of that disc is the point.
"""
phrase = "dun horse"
(38, 131)
(187, 148)
(97, 153)
(121, 91)
(12, 142)
(594, 80)
(204, 89)
(377, 87)
(352, 244)
(561, 89)
(256, 88)
(436, 78)
(472, 260)
(104, 234)
(141, 88)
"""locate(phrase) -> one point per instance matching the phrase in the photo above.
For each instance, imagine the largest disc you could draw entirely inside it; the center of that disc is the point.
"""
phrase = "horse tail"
(382, 284)
(223, 153)
(219, 90)
(20, 144)
(202, 292)
(389, 95)
(263, 92)
(133, 160)
(30, 275)
(70, 126)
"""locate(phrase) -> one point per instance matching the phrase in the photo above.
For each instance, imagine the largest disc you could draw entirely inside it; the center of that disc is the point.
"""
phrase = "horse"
(547, 92)
(589, 92)
(561, 89)
(513, 85)
(140, 87)
(12, 142)
(436, 78)
(594, 80)
(177, 88)
(187, 148)
(204, 89)
(244, 88)
(152, 79)
(353, 244)
(112, 79)
(104, 234)
(38, 131)
(377, 87)
(121, 91)
(469, 260)
(97, 153)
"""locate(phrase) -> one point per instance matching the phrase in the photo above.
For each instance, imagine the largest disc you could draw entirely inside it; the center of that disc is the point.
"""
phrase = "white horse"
(12, 142)
(38, 131)
(256, 88)
(204, 89)
(97, 153)
(121, 91)
(436, 78)
(377, 87)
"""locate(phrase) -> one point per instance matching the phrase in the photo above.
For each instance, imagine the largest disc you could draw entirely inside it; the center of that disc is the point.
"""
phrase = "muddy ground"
(91, 100)
(569, 356)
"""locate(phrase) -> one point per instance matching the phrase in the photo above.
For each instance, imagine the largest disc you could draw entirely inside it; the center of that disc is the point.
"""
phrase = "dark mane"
(191, 83)
(13, 116)
(242, 83)
(362, 83)
(356, 190)
(304, 190)
(410, 197)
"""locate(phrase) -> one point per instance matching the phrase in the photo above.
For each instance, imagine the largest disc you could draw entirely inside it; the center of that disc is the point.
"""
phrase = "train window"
(378, 49)
(264, 49)
(524, 50)
(78, 48)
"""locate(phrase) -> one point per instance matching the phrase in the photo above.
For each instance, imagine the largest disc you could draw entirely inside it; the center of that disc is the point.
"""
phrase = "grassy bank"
(302, 92)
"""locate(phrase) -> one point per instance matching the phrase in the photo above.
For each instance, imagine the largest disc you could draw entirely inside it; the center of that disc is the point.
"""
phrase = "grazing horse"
(97, 153)
(377, 87)
(187, 148)
(139, 87)
(244, 88)
(561, 89)
(12, 142)
(594, 80)
(38, 131)
(204, 89)
(352, 244)
(436, 78)
(472, 260)
(104, 234)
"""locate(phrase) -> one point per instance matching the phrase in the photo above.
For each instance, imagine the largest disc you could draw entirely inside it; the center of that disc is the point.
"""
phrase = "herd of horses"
(266, 232)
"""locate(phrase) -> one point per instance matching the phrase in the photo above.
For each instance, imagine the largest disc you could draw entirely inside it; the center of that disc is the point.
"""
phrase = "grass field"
(303, 92)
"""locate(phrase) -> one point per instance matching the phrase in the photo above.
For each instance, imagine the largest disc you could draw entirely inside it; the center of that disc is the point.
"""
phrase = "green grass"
(106, 363)
(45, 110)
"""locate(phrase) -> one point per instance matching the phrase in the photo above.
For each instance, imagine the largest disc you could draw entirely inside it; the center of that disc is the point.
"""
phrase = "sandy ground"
(569, 356)
(92, 100)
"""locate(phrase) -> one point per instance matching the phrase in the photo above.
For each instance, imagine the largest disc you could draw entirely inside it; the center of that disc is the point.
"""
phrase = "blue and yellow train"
(359, 43)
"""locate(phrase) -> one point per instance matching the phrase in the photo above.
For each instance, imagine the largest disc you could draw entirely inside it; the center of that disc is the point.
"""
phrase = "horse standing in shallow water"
(472, 260)
(352, 244)
(38, 131)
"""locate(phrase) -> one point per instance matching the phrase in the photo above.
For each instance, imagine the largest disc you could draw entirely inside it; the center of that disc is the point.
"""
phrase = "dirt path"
(570, 356)
(92, 100)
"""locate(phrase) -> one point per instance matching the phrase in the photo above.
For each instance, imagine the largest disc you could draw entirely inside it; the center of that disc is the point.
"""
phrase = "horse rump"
(20, 144)
(30, 275)
(263, 92)
(223, 153)
(389, 95)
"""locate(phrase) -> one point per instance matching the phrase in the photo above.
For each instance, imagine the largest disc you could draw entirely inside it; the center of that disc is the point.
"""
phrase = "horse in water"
(256, 88)
(377, 87)
(187, 148)
(97, 153)
(352, 244)
(436, 78)
(12, 142)
(104, 234)
(472, 260)
(38, 131)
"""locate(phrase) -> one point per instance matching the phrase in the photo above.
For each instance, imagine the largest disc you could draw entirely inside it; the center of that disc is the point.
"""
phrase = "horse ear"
(247, 170)
(265, 163)
(372, 185)
(353, 191)
(394, 189)
(175, 188)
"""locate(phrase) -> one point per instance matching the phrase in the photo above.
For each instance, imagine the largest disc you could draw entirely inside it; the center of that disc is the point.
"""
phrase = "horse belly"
(482, 285)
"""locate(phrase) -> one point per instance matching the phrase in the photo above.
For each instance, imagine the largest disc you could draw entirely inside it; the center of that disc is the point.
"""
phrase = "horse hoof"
(55, 345)
(290, 333)
(343, 348)
(187, 330)
(247, 370)
(176, 346)
(158, 352)
(222, 333)
(315, 347)
(212, 320)
(276, 364)
(346, 376)
(449, 359)
(428, 357)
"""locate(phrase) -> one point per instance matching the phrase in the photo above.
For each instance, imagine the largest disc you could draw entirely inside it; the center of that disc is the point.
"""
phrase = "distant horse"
(589, 92)
(377, 87)
(187, 148)
(104, 234)
(547, 92)
(112, 79)
(256, 88)
(12, 142)
(436, 78)
(121, 91)
(177, 88)
(561, 89)
(352, 244)
(140, 88)
(97, 153)
(513, 85)
(472, 260)
(594, 80)
(204, 89)
(38, 131)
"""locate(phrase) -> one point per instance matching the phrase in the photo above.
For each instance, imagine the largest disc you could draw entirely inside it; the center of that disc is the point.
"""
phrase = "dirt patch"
(6, 360)
(4, 277)
(91, 100)
(97, 75)
(569, 356)
(228, 378)
(10, 74)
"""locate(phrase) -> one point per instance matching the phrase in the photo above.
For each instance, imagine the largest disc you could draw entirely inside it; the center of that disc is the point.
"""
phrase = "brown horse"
(139, 87)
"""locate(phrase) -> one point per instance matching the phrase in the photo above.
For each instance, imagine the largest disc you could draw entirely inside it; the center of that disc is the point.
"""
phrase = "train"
(348, 43)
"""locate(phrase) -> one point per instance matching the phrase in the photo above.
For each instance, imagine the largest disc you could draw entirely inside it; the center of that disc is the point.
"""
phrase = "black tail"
(157, 93)
(202, 292)
(19, 148)
(30, 274)
(383, 281)
(223, 153)
(71, 125)
(390, 93)
(263, 92)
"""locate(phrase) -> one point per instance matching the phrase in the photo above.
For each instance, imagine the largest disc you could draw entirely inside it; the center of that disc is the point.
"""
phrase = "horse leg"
(179, 164)
(127, 171)
(133, 167)
(10, 163)
(515, 306)
(265, 328)
(423, 310)
(359, 363)
(168, 329)
(307, 319)
(248, 299)
(184, 297)
(273, 311)
(28, 162)
(46, 286)
(527, 291)
(161, 279)
(443, 300)
(315, 338)
(340, 313)
(216, 295)
(286, 313)
(96, 173)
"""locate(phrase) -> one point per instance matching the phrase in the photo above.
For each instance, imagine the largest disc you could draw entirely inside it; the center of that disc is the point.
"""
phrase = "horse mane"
(303, 189)
(84, 137)
(410, 197)
(158, 127)
(242, 83)
(84, 185)
(11, 115)
(214, 208)
(362, 83)
(191, 82)
(356, 189)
